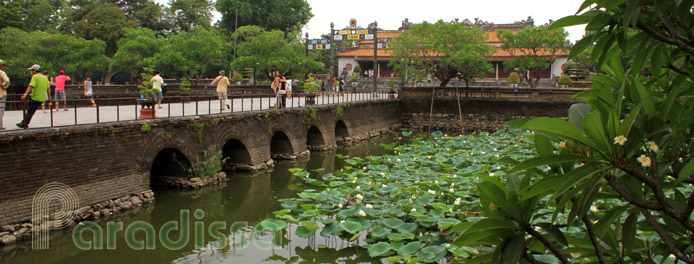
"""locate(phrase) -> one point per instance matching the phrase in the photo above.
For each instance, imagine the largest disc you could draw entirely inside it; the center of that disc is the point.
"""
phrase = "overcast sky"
(391, 13)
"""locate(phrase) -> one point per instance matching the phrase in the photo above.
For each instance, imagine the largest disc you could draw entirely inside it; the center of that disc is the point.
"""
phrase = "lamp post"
(306, 44)
(332, 48)
(375, 29)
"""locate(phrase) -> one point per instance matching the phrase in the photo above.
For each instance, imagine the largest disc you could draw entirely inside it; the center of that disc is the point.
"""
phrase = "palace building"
(363, 54)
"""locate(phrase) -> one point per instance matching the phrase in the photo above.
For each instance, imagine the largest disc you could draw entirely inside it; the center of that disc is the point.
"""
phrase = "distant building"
(363, 55)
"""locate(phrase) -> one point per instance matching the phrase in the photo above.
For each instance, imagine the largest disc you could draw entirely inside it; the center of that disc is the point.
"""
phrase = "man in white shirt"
(157, 82)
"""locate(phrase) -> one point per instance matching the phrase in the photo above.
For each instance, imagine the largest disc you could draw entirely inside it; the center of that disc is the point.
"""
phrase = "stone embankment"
(10, 234)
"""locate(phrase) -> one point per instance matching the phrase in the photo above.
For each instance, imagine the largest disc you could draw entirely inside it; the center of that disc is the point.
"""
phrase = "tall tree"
(133, 49)
(191, 13)
(269, 51)
(446, 50)
(77, 56)
(284, 15)
(105, 22)
(534, 49)
(191, 53)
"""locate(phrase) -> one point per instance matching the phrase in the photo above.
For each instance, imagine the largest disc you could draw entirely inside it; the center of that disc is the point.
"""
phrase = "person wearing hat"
(4, 84)
(222, 85)
(37, 91)
(60, 90)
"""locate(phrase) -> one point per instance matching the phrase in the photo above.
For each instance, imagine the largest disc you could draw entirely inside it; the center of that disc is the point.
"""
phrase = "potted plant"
(391, 90)
(237, 78)
(310, 88)
(357, 71)
(355, 80)
(565, 81)
(513, 80)
(146, 100)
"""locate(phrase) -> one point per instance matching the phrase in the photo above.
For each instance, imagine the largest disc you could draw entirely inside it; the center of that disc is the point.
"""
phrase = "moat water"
(245, 198)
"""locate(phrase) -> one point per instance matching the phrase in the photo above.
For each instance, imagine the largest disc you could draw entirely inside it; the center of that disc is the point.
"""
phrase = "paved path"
(88, 115)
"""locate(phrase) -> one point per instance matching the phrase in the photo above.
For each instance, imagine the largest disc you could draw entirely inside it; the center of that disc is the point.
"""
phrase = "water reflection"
(246, 197)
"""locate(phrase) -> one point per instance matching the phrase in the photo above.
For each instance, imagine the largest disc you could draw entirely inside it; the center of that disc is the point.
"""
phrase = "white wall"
(556, 65)
(342, 62)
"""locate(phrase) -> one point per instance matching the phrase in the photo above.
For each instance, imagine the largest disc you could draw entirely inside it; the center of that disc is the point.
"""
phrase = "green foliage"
(271, 15)
(185, 84)
(513, 78)
(339, 110)
(614, 183)
(198, 127)
(410, 205)
(237, 77)
(106, 23)
(358, 70)
(565, 80)
(310, 85)
(269, 51)
(191, 53)
(309, 114)
(145, 128)
(191, 13)
(135, 46)
(443, 50)
(78, 57)
(533, 48)
(354, 78)
(146, 85)
(210, 165)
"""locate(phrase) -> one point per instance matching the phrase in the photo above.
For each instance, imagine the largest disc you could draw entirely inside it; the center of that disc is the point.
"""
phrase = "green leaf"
(351, 226)
(568, 21)
(392, 222)
(577, 176)
(304, 232)
(576, 114)
(543, 145)
(379, 249)
(513, 248)
(410, 248)
(548, 160)
(272, 225)
(629, 233)
(555, 231)
(687, 171)
(606, 222)
(626, 125)
(594, 128)
(558, 127)
(407, 227)
(328, 229)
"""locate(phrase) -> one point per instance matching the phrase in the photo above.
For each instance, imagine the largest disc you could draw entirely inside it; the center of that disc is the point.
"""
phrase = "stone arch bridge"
(107, 161)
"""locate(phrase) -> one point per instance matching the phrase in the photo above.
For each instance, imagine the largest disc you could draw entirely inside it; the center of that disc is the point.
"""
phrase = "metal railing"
(496, 93)
(119, 109)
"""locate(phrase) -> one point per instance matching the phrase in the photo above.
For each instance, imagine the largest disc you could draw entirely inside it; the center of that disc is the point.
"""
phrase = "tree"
(446, 50)
(191, 13)
(270, 51)
(614, 183)
(136, 46)
(78, 57)
(284, 15)
(105, 22)
(191, 53)
(534, 49)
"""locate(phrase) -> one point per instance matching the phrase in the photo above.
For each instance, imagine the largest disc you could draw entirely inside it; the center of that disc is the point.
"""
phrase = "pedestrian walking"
(4, 84)
(88, 91)
(289, 87)
(36, 92)
(282, 92)
(60, 90)
(48, 93)
(222, 86)
(275, 86)
(157, 82)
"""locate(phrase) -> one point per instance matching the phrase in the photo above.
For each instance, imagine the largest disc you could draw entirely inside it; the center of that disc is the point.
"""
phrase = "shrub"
(237, 77)
(513, 78)
(565, 80)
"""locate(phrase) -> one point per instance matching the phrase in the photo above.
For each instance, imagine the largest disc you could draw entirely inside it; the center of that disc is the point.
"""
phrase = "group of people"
(337, 85)
(282, 86)
(38, 92)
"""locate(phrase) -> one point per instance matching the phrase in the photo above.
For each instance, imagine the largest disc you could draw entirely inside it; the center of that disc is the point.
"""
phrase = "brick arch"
(227, 134)
(315, 136)
(158, 141)
(295, 133)
(281, 143)
(342, 128)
